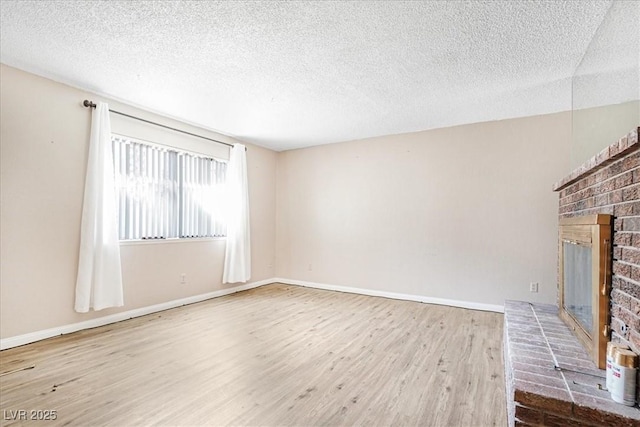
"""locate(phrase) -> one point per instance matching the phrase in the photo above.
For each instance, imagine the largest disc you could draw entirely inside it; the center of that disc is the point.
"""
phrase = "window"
(164, 193)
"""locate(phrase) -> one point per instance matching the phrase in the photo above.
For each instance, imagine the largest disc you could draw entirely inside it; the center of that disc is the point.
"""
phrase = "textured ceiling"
(294, 74)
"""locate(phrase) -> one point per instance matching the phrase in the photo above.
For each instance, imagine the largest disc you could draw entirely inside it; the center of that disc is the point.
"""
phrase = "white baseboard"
(394, 295)
(10, 342)
(16, 341)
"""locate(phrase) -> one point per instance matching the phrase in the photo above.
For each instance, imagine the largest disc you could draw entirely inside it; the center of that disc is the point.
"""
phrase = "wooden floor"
(275, 355)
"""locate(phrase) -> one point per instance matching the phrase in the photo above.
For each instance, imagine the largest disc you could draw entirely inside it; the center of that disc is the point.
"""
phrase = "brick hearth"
(551, 379)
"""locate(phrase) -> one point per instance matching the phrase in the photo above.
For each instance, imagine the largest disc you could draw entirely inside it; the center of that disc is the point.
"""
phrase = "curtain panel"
(99, 280)
(237, 260)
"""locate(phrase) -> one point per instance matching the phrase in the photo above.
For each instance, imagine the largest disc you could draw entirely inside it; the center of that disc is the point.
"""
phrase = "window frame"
(180, 151)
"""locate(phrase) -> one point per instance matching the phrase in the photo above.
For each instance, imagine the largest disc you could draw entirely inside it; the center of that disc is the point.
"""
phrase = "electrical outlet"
(533, 287)
(183, 278)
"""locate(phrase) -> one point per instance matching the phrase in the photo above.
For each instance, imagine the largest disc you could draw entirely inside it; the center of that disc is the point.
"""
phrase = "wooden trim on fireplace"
(593, 231)
(587, 220)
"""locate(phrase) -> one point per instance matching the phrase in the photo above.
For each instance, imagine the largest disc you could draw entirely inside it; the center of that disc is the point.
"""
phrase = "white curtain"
(99, 281)
(237, 259)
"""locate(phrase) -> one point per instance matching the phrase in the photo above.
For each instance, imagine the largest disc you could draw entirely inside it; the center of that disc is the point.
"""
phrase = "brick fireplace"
(550, 377)
(609, 183)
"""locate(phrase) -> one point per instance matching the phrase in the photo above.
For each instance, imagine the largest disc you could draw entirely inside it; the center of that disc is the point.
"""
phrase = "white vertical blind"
(202, 182)
(165, 193)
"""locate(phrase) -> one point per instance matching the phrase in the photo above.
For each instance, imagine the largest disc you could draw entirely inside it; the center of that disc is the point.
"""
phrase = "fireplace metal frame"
(595, 232)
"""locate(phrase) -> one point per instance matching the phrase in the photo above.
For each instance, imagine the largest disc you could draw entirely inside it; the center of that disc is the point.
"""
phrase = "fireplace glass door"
(577, 284)
(585, 280)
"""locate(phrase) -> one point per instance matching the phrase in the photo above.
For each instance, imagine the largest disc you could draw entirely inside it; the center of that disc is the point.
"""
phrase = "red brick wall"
(609, 183)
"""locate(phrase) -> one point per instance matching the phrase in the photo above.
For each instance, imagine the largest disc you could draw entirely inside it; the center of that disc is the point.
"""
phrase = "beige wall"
(594, 129)
(464, 213)
(43, 155)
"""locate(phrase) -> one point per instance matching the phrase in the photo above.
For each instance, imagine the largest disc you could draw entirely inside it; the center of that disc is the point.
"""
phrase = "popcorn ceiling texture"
(610, 67)
(294, 74)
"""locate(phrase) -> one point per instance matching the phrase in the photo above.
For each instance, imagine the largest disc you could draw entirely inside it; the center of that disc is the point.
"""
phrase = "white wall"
(464, 213)
(43, 151)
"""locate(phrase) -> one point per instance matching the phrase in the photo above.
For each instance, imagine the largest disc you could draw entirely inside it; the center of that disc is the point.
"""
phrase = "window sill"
(170, 241)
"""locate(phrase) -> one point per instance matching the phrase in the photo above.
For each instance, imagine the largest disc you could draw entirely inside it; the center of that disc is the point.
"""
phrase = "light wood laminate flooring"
(275, 355)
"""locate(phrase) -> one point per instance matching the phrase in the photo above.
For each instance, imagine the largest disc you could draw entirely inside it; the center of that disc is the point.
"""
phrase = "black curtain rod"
(90, 104)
